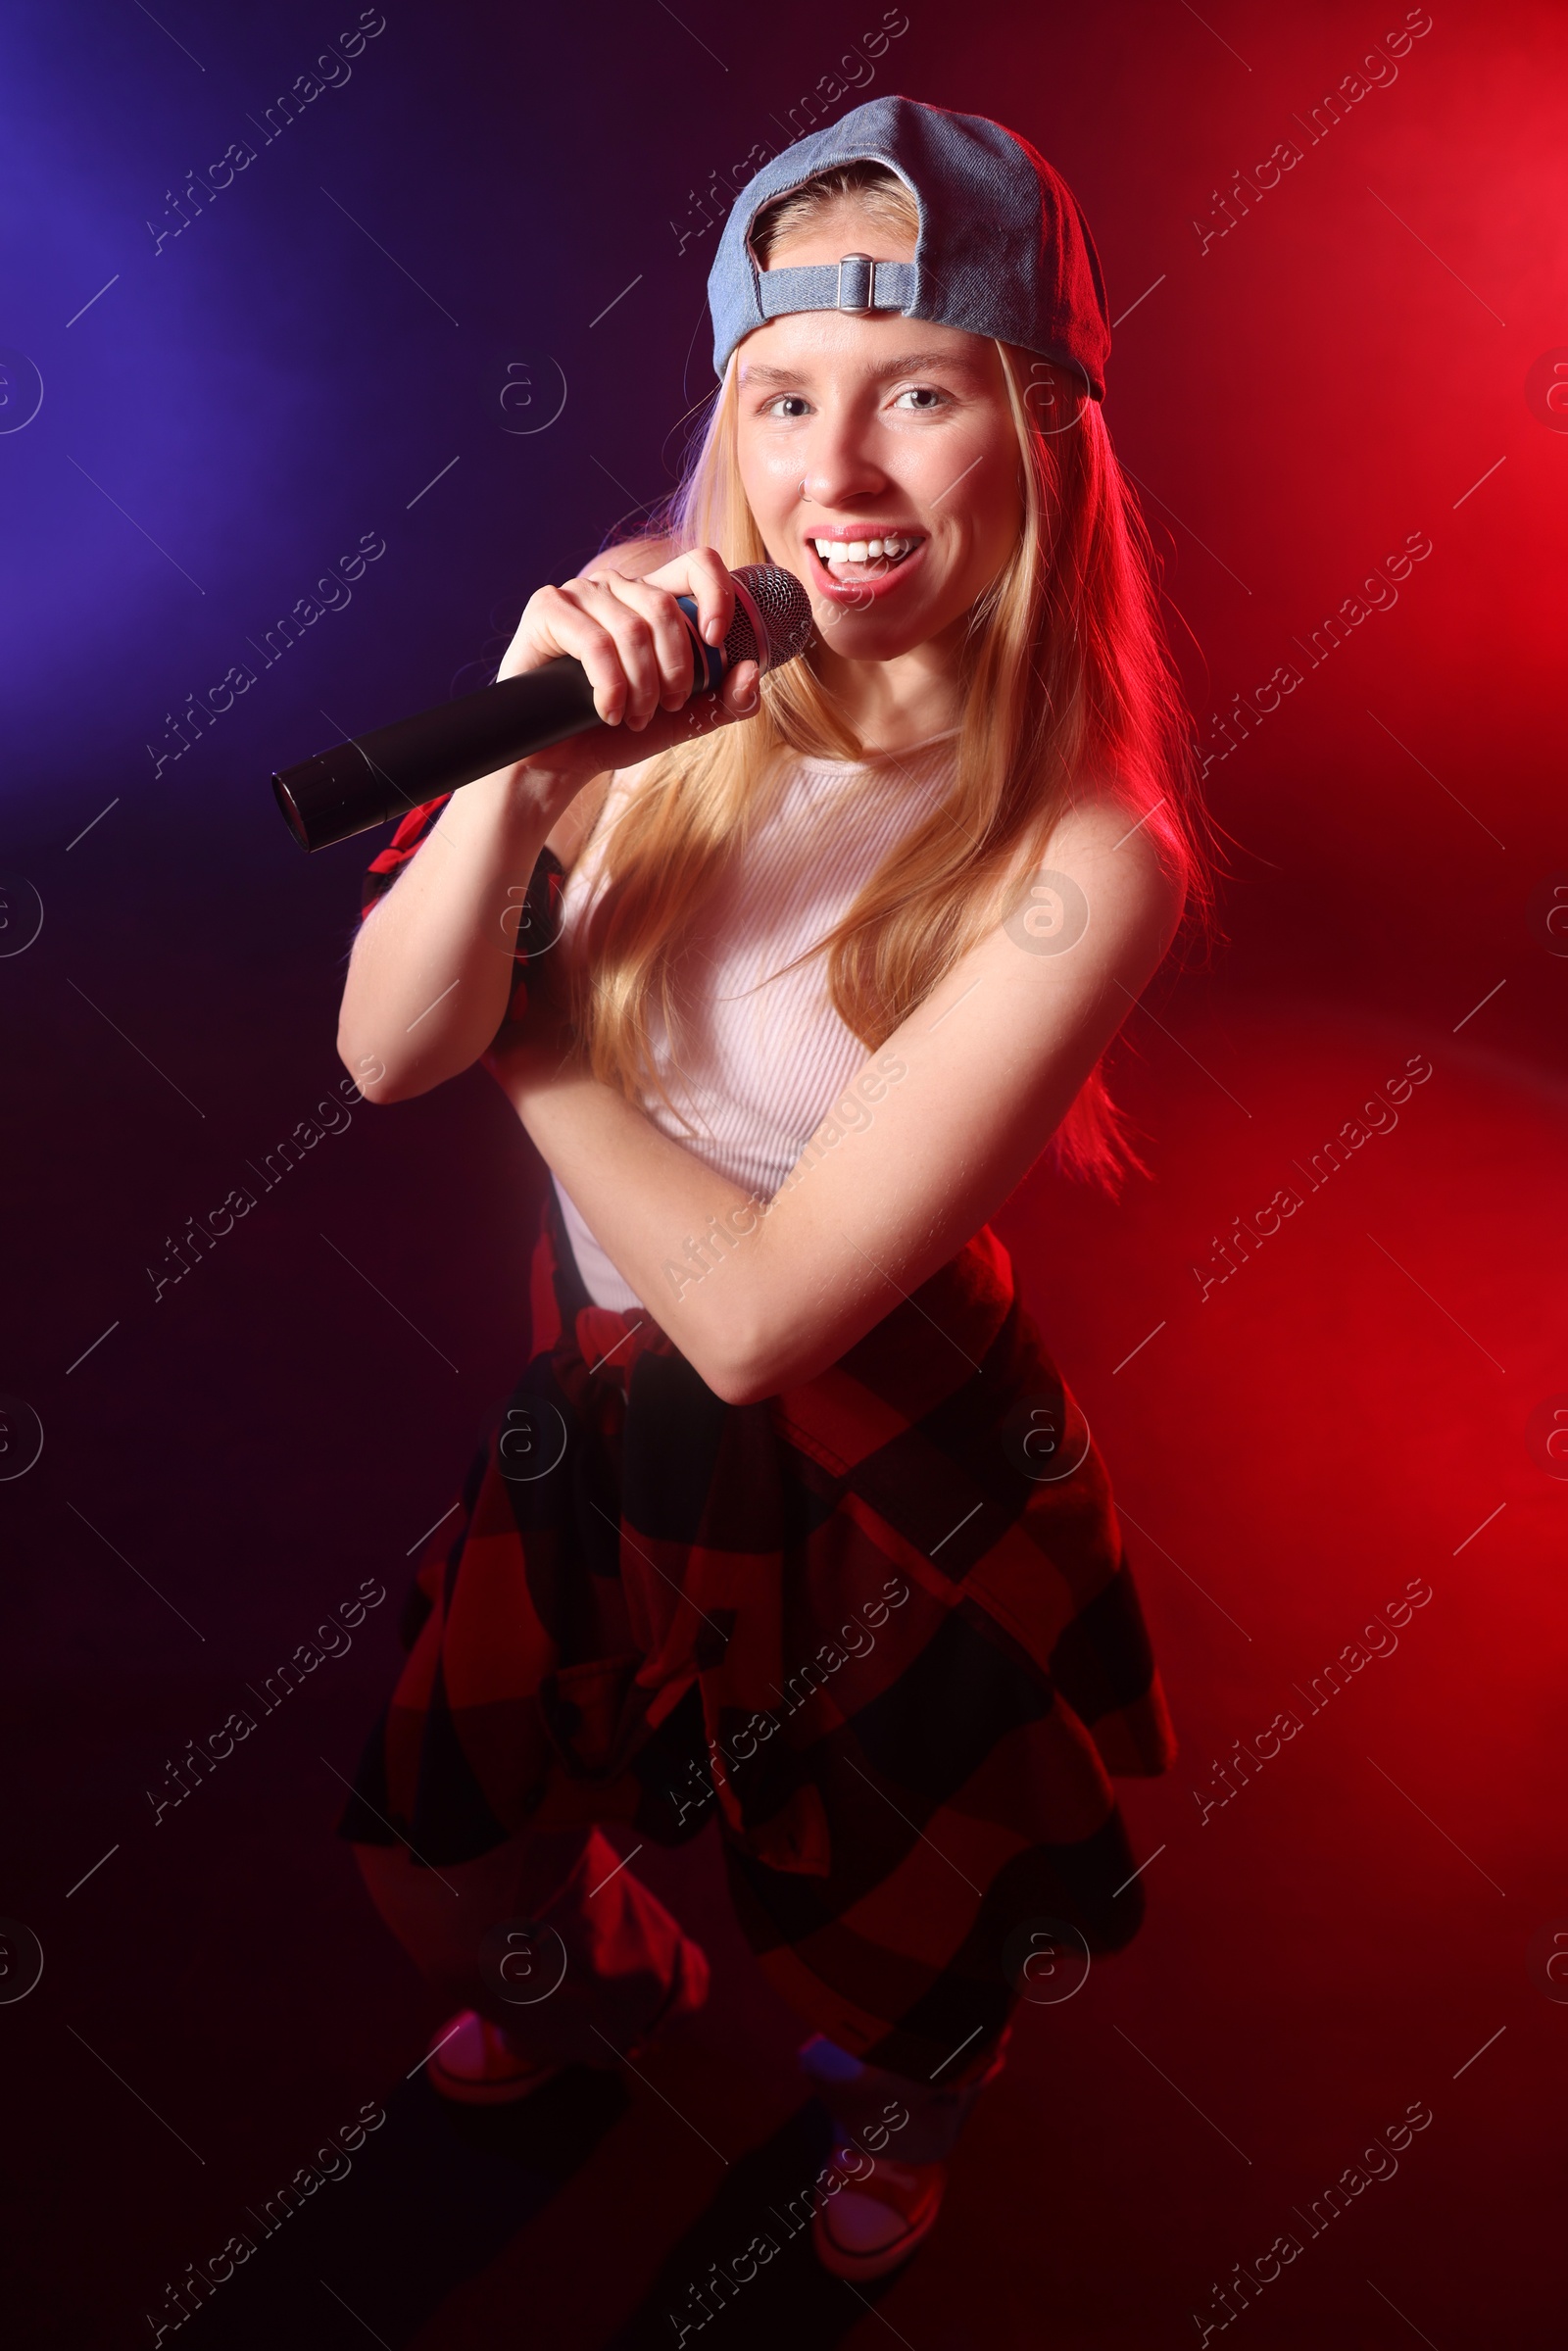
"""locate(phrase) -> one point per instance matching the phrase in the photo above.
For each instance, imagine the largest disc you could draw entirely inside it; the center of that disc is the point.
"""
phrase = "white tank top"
(766, 1056)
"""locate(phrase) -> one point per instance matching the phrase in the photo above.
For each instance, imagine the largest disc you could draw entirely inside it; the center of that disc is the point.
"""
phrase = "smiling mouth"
(871, 558)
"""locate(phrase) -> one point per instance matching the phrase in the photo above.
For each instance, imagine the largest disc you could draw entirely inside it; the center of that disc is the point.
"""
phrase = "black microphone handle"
(357, 785)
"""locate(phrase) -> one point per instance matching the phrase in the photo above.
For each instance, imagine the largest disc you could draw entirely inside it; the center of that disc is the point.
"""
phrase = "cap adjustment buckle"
(861, 291)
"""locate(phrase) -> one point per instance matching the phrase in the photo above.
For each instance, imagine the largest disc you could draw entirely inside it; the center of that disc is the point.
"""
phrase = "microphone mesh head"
(783, 608)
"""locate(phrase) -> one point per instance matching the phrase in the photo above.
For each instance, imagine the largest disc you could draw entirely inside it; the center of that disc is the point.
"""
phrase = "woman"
(791, 1521)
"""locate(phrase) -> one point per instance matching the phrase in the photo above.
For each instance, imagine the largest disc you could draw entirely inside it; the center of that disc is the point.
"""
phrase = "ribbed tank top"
(764, 1054)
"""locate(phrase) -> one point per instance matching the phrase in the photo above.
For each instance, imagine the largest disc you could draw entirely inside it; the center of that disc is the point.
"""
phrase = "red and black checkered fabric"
(881, 1626)
(384, 868)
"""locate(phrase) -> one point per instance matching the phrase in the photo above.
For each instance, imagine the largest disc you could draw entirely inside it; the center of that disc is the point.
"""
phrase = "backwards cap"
(1004, 249)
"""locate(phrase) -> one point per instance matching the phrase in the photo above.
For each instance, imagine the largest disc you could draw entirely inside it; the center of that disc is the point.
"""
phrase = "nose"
(841, 460)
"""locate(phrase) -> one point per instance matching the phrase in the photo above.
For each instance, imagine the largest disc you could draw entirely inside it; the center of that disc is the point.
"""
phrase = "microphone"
(395, 768)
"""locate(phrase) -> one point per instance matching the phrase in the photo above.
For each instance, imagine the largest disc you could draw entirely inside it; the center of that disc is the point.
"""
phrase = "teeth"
(862, 550)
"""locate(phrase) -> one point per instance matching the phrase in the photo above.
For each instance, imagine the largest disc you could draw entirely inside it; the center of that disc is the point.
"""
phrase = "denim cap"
(1002, 250)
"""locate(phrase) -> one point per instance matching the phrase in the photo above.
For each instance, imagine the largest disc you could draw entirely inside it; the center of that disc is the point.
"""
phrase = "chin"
(873, 635)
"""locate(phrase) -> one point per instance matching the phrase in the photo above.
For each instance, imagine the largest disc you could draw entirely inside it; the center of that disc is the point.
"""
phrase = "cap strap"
(855, 283)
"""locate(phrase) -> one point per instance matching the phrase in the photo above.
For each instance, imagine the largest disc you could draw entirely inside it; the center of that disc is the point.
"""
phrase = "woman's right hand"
(632, 639)
(426, 990)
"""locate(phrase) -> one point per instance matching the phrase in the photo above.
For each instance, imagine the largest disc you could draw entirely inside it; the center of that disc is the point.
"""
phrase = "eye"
(925, 398)
(788, 404)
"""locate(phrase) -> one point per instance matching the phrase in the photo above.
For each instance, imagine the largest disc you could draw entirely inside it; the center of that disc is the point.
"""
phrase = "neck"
(894, 703)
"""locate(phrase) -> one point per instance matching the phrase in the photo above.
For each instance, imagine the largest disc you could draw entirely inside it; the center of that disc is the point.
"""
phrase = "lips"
(858, 576)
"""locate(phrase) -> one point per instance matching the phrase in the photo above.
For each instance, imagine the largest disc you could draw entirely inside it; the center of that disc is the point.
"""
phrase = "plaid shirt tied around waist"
(881, 1627)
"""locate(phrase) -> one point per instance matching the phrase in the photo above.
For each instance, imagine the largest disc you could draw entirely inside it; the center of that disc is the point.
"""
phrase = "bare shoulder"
(633, 559)
(1095, 908)
(1115, 849)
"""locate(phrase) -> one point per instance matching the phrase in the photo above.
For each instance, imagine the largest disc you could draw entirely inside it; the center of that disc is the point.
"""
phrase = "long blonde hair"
(1065, 673)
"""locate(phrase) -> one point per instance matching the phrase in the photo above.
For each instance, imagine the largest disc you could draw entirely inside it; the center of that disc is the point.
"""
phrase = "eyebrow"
(908, 363)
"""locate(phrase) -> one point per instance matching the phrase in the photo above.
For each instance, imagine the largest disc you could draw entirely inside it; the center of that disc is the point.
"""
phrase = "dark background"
(499, 197)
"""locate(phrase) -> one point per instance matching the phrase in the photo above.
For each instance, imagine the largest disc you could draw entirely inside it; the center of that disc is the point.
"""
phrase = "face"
(902, 433)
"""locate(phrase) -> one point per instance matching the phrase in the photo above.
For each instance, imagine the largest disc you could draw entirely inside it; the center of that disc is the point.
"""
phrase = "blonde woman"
(792, 1523)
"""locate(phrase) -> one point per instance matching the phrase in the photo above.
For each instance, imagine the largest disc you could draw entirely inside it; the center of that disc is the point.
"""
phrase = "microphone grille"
(772, 623)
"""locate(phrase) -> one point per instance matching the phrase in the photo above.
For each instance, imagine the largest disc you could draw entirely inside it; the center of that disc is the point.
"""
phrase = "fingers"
(585, 619)
(742, 689)
(738, 698)
(701, 575)
(708, 582)
(632, 639)
(665, 636)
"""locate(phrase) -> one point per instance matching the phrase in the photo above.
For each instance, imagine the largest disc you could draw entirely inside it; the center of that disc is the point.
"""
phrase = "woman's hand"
(425, 988)
(633, 641)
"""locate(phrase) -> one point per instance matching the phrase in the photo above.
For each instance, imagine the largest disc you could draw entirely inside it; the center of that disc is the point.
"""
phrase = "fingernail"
(713, 630)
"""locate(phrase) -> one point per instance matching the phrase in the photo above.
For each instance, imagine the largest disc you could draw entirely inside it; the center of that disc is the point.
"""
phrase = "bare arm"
(924, 1144)
(431, 967)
